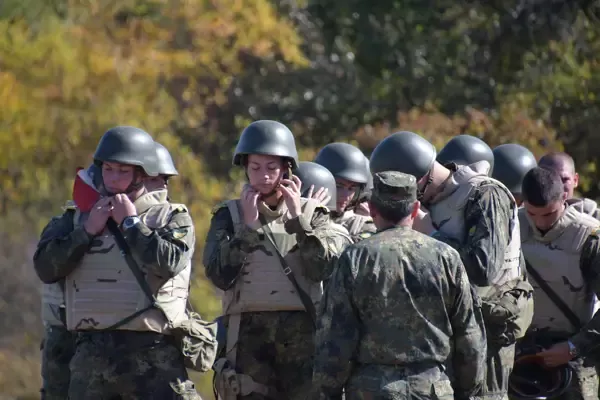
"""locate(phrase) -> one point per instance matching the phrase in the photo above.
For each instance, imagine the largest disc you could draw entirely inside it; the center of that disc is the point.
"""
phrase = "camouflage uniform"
(488, 217)
(274, 348)
(360, 227)
(58, 348)
(126, 363)
(551, 255)
(399, 306)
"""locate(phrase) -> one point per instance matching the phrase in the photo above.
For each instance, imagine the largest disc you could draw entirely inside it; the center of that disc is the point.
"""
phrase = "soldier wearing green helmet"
(347, 164)
(125, 345)
(166, 170)
(269, 251)
(476, 215)
(513, 162)
(466, 150)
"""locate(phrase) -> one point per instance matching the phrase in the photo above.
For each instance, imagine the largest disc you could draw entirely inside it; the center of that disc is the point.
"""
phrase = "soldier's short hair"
(542, 186)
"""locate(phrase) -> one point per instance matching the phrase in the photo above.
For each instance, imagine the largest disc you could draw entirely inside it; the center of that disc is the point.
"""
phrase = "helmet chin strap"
(421, 192)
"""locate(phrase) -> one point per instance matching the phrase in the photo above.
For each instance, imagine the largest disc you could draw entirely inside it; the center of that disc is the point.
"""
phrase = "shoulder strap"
(234, 211)
(137, 272)
(304, 297)
(555, 298)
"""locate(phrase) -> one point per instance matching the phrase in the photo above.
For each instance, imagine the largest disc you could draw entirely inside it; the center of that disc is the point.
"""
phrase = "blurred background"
(193, 73)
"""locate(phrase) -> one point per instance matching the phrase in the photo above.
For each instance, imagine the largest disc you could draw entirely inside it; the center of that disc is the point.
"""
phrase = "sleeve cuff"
(299, 224)
(580, 342)
(80, 236)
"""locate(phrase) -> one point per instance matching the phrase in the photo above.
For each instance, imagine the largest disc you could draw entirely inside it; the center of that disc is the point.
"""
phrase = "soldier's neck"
(439, 176)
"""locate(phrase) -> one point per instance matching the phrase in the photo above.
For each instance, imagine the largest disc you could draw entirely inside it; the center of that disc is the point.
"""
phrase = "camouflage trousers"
(499, 365)
(57, 348)
(276, 349)
(382, 382)
(128, 365)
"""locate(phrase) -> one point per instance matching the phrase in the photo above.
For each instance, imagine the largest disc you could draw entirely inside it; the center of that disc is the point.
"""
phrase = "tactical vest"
(585, 206)
(555, 256)
(53, 298)
(263, 286)
(448, 215)
(353, 222)
(102, 290)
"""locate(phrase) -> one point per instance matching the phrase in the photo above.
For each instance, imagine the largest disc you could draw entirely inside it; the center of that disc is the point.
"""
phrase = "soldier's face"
(264, 172)
(545, 217)
(346, 190)
(570, 180)
(153, 183)
(117, 177)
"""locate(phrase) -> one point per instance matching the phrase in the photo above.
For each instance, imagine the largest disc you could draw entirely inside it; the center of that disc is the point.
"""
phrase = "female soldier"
(269, 251)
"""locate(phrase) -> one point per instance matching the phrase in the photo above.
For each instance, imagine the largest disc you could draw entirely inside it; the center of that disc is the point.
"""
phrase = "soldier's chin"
(265, 190)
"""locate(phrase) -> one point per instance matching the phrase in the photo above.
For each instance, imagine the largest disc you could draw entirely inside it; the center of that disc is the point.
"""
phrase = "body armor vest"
(353, 222)
(448, 215)
(262, 285)
(102, 290)
(555, 256)
(585, 206)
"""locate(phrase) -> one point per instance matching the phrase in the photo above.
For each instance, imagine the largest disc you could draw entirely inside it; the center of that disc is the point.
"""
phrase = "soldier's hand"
(290, 189)
(123, 208)
(363, 209)
(322, 195)
(559, 354)
(249, 200)
(97, 218)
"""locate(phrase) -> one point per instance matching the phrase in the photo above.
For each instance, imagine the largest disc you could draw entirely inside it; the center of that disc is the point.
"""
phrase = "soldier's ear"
(415, 209)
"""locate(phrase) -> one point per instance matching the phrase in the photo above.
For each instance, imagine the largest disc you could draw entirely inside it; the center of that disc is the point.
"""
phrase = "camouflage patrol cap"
(391, 188)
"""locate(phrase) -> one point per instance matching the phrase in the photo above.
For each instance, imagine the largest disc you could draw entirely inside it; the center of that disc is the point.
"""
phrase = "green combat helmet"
(403, 152)
(513, 162)
(311, 173)
(344, 161)
(268, 138)
(466, 150)
(128, 145)
(166, 166)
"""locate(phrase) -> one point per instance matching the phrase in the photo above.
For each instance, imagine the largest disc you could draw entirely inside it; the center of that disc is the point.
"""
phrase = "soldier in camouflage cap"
(390, 294)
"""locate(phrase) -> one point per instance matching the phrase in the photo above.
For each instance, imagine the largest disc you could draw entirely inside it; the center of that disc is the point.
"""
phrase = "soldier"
(466, 150)
(166, 170)
(269, 251)
(362, 207)
(562, 253)
(477, 216)
(399, 306)
(347, 165)
(563, 164)
(316, 178)
(124, 346)
(58, 345)
(513, 161)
